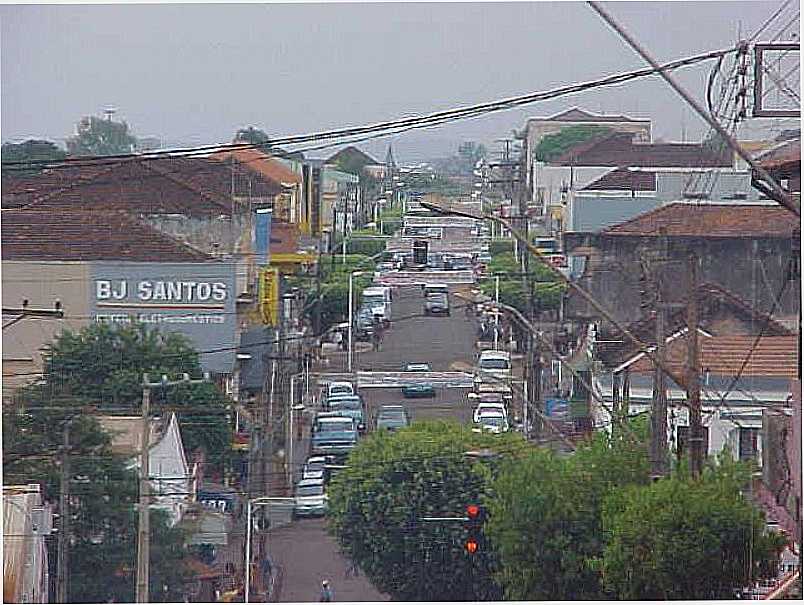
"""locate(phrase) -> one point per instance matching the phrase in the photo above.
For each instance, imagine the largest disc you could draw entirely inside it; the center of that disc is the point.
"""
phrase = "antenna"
(109, 112)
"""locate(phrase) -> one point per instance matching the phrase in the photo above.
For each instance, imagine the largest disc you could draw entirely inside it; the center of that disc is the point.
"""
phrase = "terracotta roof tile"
(782, 155)
(619, 149)
(44, 235)
(710, 220)
(622, 179)
(266, 165)
(774, 356)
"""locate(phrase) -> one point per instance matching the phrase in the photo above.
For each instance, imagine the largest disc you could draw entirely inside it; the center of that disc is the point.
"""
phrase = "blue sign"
(262, 236)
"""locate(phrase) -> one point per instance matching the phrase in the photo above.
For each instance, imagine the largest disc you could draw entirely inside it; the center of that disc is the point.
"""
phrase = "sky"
(192, 74)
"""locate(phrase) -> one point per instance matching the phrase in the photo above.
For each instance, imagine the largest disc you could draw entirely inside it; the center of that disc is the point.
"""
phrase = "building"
(745, 248)
(111, 267)
(27, 521)
(538, 128)
(172, 483)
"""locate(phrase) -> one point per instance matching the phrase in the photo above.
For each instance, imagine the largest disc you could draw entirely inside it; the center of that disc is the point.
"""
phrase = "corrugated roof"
(266, 165)
(622, 179)
(788, 152)
(352, 153)
(774, 356)
(711, 220)
(84, 236)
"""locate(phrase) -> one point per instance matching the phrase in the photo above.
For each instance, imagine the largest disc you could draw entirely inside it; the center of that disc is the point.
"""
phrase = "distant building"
(148, 144)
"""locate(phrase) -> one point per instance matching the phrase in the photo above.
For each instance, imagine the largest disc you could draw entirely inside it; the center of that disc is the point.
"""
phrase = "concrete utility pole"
(144, 529)
(658, 436)
(693, 376)
(62, 577)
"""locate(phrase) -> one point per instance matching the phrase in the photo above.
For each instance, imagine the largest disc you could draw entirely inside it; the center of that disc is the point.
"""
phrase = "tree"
(682, 538)
(545, 515)
(102, 545)
(554, 145)
(32, 150)
(394, 479)
(262, 141)
(103, 366)
(99, 137)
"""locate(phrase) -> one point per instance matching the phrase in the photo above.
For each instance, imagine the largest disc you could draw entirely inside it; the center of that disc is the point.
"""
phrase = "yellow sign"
(269, 296)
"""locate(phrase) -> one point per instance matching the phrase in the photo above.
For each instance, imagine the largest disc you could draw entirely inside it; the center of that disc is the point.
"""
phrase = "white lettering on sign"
(169, 291)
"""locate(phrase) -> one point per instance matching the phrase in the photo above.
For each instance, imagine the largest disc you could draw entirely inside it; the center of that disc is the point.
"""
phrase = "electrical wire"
(770, 20)
(432, 119)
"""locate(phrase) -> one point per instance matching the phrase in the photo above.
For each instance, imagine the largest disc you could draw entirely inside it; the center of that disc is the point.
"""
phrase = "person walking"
(326, 592)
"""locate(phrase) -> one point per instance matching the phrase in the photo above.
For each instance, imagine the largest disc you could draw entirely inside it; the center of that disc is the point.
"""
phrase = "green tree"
(98, 137)
(554, 145)
(545, 515)
(103, 365)
(392, 480)
(681, 538)
(102, 546)
(32, 150)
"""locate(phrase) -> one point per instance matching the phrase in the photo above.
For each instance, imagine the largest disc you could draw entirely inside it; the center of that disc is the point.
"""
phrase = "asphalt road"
(304, 551)
(307, 554)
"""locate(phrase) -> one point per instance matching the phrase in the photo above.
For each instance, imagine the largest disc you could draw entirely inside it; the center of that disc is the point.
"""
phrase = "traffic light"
(475, 517)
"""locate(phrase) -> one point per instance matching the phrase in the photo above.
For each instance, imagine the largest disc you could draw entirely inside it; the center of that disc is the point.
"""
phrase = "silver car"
(310, 499)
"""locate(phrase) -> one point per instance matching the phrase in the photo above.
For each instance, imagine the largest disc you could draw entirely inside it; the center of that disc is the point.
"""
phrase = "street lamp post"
(496, 315)
(352, 275)
(262, 501)
(291, 409)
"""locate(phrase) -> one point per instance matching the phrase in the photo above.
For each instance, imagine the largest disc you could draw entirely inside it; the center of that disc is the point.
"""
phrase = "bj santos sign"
(194, 299)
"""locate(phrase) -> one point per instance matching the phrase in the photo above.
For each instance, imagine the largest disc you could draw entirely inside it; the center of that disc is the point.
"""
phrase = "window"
(748, 443)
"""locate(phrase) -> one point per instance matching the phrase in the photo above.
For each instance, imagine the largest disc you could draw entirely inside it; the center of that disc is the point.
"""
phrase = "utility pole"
(693, 377)
(144, 529)
(658, 437)
(62, 578)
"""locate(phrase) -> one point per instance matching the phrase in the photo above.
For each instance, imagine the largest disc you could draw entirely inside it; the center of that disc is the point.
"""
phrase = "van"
(429, 289)
(378, 299)
(494, 364)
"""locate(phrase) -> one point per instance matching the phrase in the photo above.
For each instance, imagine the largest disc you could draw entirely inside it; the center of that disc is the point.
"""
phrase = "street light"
(352, 275)
(496, 315)
(293, 408)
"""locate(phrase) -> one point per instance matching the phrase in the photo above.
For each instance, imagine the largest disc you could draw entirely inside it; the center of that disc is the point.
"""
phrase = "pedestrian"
(326, 592)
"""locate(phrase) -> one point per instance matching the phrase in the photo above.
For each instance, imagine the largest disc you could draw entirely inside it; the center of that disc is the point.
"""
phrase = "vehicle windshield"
(347, 403)
(339, 389)
(335, 427)
(494, 364)
(492, 420)
(488, 409)
(315, 467)
(374, 300)
(437, 297)
(310, 490)
(392, 420)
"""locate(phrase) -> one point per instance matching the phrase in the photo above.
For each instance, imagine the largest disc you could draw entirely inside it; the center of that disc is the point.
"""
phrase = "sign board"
(193, 299)
(262, 236)
(269, 295)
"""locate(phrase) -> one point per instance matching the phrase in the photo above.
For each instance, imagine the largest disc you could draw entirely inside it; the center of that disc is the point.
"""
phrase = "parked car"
(417, 367)
(392, 418)
(333, 434)
(488, 408)
(494, 364)
(310, 498)
(315, 468)
(424, 389)
(493, 422)
(378, 299)
(351, 406)
(428, 289)
(436, 304)
(340, 388)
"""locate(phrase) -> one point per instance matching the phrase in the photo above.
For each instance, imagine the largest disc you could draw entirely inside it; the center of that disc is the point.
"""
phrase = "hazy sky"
(193, 74)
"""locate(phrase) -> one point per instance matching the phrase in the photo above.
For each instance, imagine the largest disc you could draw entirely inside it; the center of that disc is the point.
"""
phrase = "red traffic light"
(471, 546)
(473, 511)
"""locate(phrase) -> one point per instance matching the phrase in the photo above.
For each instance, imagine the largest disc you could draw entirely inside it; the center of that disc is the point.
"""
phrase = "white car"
(310, 498)
(315, 468)
(488, 408)
(340, 388)
(493, 422)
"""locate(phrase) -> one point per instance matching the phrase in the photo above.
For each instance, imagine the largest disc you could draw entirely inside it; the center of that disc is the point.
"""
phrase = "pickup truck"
(336, 435)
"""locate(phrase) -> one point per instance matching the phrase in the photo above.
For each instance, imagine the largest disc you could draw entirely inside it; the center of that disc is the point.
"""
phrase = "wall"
(42, 283)
(752, 269)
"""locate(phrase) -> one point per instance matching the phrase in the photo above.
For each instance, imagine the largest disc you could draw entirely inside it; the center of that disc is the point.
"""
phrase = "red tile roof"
(266, 165)
(710, 221)
(619, 149)
(352, 153)
(44, 235)
(774, 356)
(622, 179)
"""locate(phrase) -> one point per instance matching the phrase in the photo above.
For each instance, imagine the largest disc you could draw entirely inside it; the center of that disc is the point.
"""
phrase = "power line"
(432, 119)
(770, 20)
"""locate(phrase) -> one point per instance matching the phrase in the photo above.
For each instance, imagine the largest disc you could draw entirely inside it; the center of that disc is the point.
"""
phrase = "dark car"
(421, 389)
(436, 304)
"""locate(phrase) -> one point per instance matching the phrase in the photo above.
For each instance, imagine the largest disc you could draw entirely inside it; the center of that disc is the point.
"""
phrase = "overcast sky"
(193, 74)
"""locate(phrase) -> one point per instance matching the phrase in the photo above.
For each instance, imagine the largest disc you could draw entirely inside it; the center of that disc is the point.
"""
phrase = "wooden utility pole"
(144, 532)
(693, 376)
(62, 577)
(658, 437)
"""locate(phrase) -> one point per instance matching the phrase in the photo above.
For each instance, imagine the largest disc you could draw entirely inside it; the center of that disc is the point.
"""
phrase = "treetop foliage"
(554, 145)
(98, 137)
